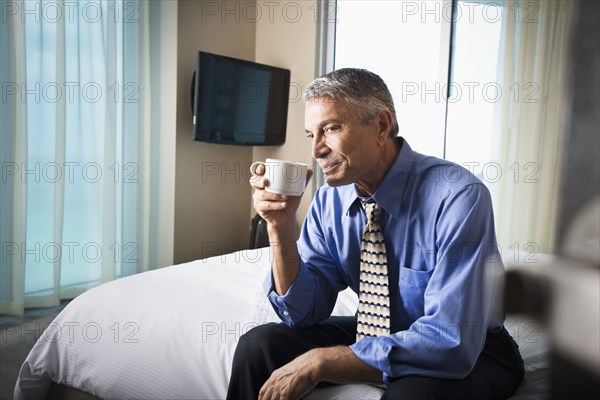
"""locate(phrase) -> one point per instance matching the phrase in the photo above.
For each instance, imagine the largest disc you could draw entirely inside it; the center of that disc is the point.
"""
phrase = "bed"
(171, 333)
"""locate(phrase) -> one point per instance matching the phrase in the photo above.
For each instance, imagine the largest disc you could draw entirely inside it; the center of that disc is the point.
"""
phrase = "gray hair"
(359, 87)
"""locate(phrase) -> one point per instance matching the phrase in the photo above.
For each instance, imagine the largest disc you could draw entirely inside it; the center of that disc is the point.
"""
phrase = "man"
(435, 329)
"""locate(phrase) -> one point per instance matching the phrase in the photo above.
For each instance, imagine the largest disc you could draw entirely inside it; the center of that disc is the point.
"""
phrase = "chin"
(335, 181)
(339, 177)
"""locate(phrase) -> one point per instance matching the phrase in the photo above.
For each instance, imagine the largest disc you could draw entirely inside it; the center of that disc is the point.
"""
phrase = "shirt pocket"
(412, 291)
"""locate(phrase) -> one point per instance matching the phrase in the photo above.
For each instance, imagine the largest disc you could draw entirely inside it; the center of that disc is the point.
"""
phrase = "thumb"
(309, 174)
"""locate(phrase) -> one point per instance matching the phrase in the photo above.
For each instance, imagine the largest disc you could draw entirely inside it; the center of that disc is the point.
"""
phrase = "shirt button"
(285, 313)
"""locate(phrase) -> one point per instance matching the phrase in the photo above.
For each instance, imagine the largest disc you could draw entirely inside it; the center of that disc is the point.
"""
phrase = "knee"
(259, 340)
(260, 349)
(415, 387)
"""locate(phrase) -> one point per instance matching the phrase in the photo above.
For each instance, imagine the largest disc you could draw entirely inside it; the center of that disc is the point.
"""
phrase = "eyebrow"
(326, 122)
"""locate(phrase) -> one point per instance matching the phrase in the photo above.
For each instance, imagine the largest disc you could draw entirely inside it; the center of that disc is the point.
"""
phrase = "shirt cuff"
(374, 351)
(298, 294)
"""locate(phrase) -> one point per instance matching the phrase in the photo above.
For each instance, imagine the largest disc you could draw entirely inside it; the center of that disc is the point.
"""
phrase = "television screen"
(239, 102)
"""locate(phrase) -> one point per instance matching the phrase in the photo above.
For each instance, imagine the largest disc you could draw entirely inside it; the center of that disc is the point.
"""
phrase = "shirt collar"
(389, 193)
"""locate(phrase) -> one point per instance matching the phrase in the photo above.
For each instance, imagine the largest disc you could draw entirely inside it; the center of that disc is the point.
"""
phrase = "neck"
(387, 158)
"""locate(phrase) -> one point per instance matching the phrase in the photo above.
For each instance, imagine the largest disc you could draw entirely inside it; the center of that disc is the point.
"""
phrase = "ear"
(385, 125)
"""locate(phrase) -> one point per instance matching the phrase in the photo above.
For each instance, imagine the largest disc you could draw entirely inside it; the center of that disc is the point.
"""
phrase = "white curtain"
(13, 153)
(79, 147)
(529, 123)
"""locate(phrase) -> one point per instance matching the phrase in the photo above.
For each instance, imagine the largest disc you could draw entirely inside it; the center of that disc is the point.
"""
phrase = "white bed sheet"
(170, 334)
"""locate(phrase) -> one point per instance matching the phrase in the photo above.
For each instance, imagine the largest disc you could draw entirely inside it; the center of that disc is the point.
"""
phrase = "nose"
(319, 146)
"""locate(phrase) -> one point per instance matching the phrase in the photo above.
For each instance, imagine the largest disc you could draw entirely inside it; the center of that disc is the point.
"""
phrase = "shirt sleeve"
(312, 296)
(459, 297)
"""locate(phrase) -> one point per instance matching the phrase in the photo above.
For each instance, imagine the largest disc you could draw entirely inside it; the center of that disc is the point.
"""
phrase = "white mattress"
(171, 334)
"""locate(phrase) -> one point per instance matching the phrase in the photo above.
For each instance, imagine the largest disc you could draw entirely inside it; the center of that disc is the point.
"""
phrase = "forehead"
(322, 109)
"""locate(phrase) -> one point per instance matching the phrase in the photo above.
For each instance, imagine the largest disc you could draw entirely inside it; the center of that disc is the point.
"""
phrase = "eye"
(310, 135)
(331, 128)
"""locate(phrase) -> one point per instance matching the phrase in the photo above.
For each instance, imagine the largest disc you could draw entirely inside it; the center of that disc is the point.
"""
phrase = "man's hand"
(293, 380)
(334, 364)
(275, 208)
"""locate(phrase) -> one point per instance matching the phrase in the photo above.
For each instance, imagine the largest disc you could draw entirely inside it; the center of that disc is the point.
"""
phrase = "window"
(480, 83)
(474, 88)
(80, 145)
(408, 44)
(69, 155)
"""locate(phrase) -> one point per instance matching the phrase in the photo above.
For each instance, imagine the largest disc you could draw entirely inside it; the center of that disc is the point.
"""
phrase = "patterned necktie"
(373, 317)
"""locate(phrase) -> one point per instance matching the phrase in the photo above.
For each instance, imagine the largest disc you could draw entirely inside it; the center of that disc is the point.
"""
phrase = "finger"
(265, 391)
(269, 196)
(265, 206)
(309, 174)
(257, 168)
(261, 393)
(259, 181)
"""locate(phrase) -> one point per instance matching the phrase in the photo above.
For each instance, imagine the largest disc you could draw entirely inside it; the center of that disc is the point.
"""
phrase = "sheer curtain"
(79, 147)
(13, 153)
(529, 123)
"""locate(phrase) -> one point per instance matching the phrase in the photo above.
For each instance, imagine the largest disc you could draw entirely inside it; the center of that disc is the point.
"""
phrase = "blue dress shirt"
(443, 260)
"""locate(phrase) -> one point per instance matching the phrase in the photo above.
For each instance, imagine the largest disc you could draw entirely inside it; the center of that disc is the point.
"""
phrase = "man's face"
(345, 149)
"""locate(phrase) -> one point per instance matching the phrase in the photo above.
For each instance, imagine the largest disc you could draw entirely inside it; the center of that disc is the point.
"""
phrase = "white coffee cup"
(285, 177)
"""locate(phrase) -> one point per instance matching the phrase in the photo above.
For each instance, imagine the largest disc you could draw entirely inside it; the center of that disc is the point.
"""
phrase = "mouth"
(329, 167)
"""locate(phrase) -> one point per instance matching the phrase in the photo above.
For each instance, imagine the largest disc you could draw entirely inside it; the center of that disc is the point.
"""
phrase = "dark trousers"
(497, 372)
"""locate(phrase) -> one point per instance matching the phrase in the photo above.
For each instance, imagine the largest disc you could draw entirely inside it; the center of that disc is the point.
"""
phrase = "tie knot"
(372, 210)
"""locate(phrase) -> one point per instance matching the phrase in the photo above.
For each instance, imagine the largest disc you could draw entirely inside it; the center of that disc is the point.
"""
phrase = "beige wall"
(211, 202)
(212, 195)
(164, 211)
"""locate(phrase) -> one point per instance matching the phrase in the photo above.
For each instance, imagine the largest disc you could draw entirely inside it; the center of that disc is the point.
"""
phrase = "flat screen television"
(239, 102)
